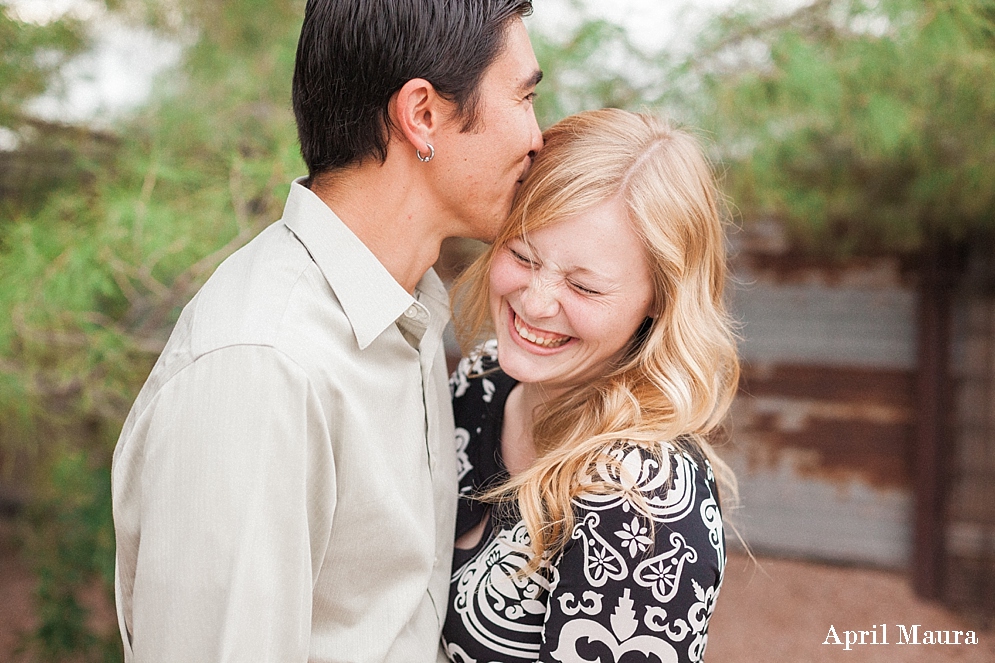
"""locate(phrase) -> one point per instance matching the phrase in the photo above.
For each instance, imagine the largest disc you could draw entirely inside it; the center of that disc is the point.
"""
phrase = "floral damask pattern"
(640, 573)
(498, 603)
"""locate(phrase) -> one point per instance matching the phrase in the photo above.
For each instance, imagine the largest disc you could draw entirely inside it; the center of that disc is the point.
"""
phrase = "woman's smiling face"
(566, 303)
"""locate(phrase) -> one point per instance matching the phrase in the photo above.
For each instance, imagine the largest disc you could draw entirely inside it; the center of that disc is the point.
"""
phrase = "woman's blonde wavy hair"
(677, 379)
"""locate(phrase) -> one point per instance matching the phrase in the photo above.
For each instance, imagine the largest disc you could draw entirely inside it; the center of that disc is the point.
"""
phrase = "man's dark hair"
(353, 55)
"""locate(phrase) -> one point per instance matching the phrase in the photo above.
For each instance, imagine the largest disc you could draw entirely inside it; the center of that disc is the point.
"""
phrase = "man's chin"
(487, 230)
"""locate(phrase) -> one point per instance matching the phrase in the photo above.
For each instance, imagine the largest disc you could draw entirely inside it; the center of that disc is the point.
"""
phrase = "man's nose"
(536, 143)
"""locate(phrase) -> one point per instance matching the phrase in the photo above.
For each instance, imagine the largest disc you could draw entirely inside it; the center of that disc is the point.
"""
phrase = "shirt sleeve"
(632, 583)
(236, 491)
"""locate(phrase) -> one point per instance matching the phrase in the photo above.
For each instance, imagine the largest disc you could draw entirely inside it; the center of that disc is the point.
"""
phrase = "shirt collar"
(370, 297)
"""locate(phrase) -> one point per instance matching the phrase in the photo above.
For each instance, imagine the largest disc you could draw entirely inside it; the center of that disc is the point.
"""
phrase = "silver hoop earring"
(431, 154)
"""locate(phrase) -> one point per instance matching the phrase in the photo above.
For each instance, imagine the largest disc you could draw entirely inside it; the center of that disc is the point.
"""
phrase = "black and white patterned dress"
(620, 591)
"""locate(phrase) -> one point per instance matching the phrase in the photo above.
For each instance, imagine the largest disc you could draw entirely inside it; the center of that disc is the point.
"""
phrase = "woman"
(589, 522)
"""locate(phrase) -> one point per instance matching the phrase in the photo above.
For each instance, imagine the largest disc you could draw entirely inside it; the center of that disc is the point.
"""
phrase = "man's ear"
(419, 112)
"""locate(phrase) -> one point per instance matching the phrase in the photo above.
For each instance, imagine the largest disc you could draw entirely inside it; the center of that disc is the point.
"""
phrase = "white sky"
(115, 76)
(118, 75)
(652, 24)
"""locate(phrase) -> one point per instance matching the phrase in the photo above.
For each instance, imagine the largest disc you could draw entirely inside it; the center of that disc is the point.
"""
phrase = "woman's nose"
(539, 300)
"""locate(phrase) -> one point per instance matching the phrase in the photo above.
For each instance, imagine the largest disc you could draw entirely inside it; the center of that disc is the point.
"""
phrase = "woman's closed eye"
(520, 257)
(583, 289)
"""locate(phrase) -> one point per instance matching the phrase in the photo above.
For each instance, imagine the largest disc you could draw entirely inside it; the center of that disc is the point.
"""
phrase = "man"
(284, 487)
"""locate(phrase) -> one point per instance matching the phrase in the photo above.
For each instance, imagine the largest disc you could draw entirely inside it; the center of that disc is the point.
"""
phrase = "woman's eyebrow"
(586, 271)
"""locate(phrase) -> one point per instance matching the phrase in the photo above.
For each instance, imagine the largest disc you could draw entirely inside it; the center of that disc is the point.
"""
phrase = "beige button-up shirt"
(285, 486)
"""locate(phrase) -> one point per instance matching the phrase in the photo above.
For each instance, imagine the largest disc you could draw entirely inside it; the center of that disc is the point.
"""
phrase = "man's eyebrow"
(533, 80)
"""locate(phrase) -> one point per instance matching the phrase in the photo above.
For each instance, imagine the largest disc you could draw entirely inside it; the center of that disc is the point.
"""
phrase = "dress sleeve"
(628, 581)
(235, 484)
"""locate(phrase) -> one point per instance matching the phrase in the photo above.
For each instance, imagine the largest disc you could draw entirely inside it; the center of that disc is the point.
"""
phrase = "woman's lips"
(544, 339)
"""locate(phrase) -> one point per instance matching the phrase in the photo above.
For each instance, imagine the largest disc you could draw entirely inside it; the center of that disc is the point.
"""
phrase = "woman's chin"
(535, 371)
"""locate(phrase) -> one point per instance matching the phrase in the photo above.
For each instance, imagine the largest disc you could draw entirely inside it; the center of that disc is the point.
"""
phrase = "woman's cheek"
(505, 277)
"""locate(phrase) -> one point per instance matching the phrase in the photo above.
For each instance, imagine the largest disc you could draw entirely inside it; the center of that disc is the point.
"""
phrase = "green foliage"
(594, 64)
(96, 272)
(73, 537)
(31, 59)
(863, 126)
(96, 277)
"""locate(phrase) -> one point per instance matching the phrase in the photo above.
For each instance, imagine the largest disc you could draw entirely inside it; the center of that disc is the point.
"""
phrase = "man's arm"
(236, 493)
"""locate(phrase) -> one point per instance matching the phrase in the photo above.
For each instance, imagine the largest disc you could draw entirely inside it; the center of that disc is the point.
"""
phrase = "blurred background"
(142, 141)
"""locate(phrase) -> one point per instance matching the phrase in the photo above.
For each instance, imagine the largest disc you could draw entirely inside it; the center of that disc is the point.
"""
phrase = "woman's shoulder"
(665, 481)
(657, 500)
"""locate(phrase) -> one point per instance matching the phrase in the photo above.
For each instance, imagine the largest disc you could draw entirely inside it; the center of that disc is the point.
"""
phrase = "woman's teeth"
(538, 340)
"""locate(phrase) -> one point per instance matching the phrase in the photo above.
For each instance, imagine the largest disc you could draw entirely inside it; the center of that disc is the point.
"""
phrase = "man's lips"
(525, 171)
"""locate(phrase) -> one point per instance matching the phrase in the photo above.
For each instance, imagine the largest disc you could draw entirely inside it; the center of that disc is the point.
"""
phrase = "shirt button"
(411, 312)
